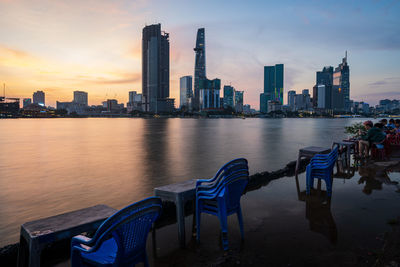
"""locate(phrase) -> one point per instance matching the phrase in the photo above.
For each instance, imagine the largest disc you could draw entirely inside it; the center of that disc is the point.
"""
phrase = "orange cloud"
(10, 57)
(119, 78)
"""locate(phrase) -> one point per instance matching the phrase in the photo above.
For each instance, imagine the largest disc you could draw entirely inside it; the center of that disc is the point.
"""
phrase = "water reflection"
(373, 177)
(344, 170)
(318, 211)
(319, 215)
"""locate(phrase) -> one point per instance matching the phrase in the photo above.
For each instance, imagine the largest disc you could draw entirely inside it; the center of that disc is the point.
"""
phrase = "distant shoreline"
(199, 117)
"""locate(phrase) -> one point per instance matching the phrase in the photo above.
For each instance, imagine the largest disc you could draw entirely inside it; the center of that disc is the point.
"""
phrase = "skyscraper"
(341, 79)
(135, 102)
(323, 97)
(186, 92)
(155, 68)
(291, 97)
(209, 94)
(264, 103)
(273, 84)
(324, 77)
(239, 101)
(39, 98)
(199, 66)
(81, 97)
(229, 96)
(279, 83)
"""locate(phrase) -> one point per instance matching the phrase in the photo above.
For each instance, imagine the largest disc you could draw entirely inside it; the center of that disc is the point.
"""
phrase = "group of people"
(375, 134)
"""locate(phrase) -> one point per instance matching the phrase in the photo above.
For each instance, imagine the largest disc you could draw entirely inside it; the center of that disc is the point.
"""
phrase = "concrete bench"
(43, 232)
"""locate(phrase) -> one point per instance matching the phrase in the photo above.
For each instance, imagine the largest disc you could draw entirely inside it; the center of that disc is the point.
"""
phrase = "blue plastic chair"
(220, 196)
(321, 167)
(121, 239)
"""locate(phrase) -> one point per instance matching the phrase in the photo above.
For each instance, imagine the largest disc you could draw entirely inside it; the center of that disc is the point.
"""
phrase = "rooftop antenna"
(4, 90)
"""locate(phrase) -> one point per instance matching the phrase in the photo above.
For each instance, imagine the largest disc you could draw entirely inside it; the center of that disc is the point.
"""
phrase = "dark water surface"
(51, 166)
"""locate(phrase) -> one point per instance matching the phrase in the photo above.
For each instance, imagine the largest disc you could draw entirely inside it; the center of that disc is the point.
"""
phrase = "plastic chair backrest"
(231, 170)
(116, 217)
(234, 190)
(332, 156)
(230, 167)
(131, 235)
(105, 229)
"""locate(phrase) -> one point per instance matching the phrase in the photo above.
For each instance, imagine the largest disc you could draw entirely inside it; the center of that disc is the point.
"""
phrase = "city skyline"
(98, 49)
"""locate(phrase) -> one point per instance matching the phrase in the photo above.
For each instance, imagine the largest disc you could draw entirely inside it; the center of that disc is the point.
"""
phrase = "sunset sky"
(95, 45)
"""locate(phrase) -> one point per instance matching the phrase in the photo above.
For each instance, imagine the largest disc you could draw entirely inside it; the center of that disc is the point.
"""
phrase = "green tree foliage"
(355, 129)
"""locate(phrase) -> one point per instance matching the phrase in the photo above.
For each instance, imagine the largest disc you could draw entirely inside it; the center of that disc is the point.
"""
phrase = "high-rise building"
(337, 87)
(273, 84)
(239, 101)
(324, 77)
(229, 97)
(39, 98)
(81, 97)
(306, 99)
(199, 66)
(135, 102)
(338, 100)
(324, 96)
(209, 94)
(155, 68)
(26, 102)
(279, 83)
(264, 103)
(186, 92)
(341, 79)
(291, 98)
(134, 97)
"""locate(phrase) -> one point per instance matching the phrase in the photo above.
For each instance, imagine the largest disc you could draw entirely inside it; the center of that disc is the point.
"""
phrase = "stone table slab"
(178, 193)
(40, 233)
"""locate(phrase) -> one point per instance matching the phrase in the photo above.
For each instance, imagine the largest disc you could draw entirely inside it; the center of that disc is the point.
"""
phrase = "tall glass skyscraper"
(209, 94)
(341, 79)
(278, 93)
(291, 99)
(229, 96)
(239, 101)
(199, 66)
(186, 92)
(273, 82)
(155, 68)
(324, 77)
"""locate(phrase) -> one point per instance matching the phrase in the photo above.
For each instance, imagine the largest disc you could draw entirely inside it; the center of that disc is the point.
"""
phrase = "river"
(52, 166)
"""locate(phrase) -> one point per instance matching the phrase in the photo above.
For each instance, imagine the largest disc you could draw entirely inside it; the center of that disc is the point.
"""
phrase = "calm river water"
(51, 166)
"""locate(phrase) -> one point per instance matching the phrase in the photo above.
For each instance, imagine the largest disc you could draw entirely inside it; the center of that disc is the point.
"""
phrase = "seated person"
(397, 124)
(379, 144)
(392, 127)
(384, 123)
(374, 135)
